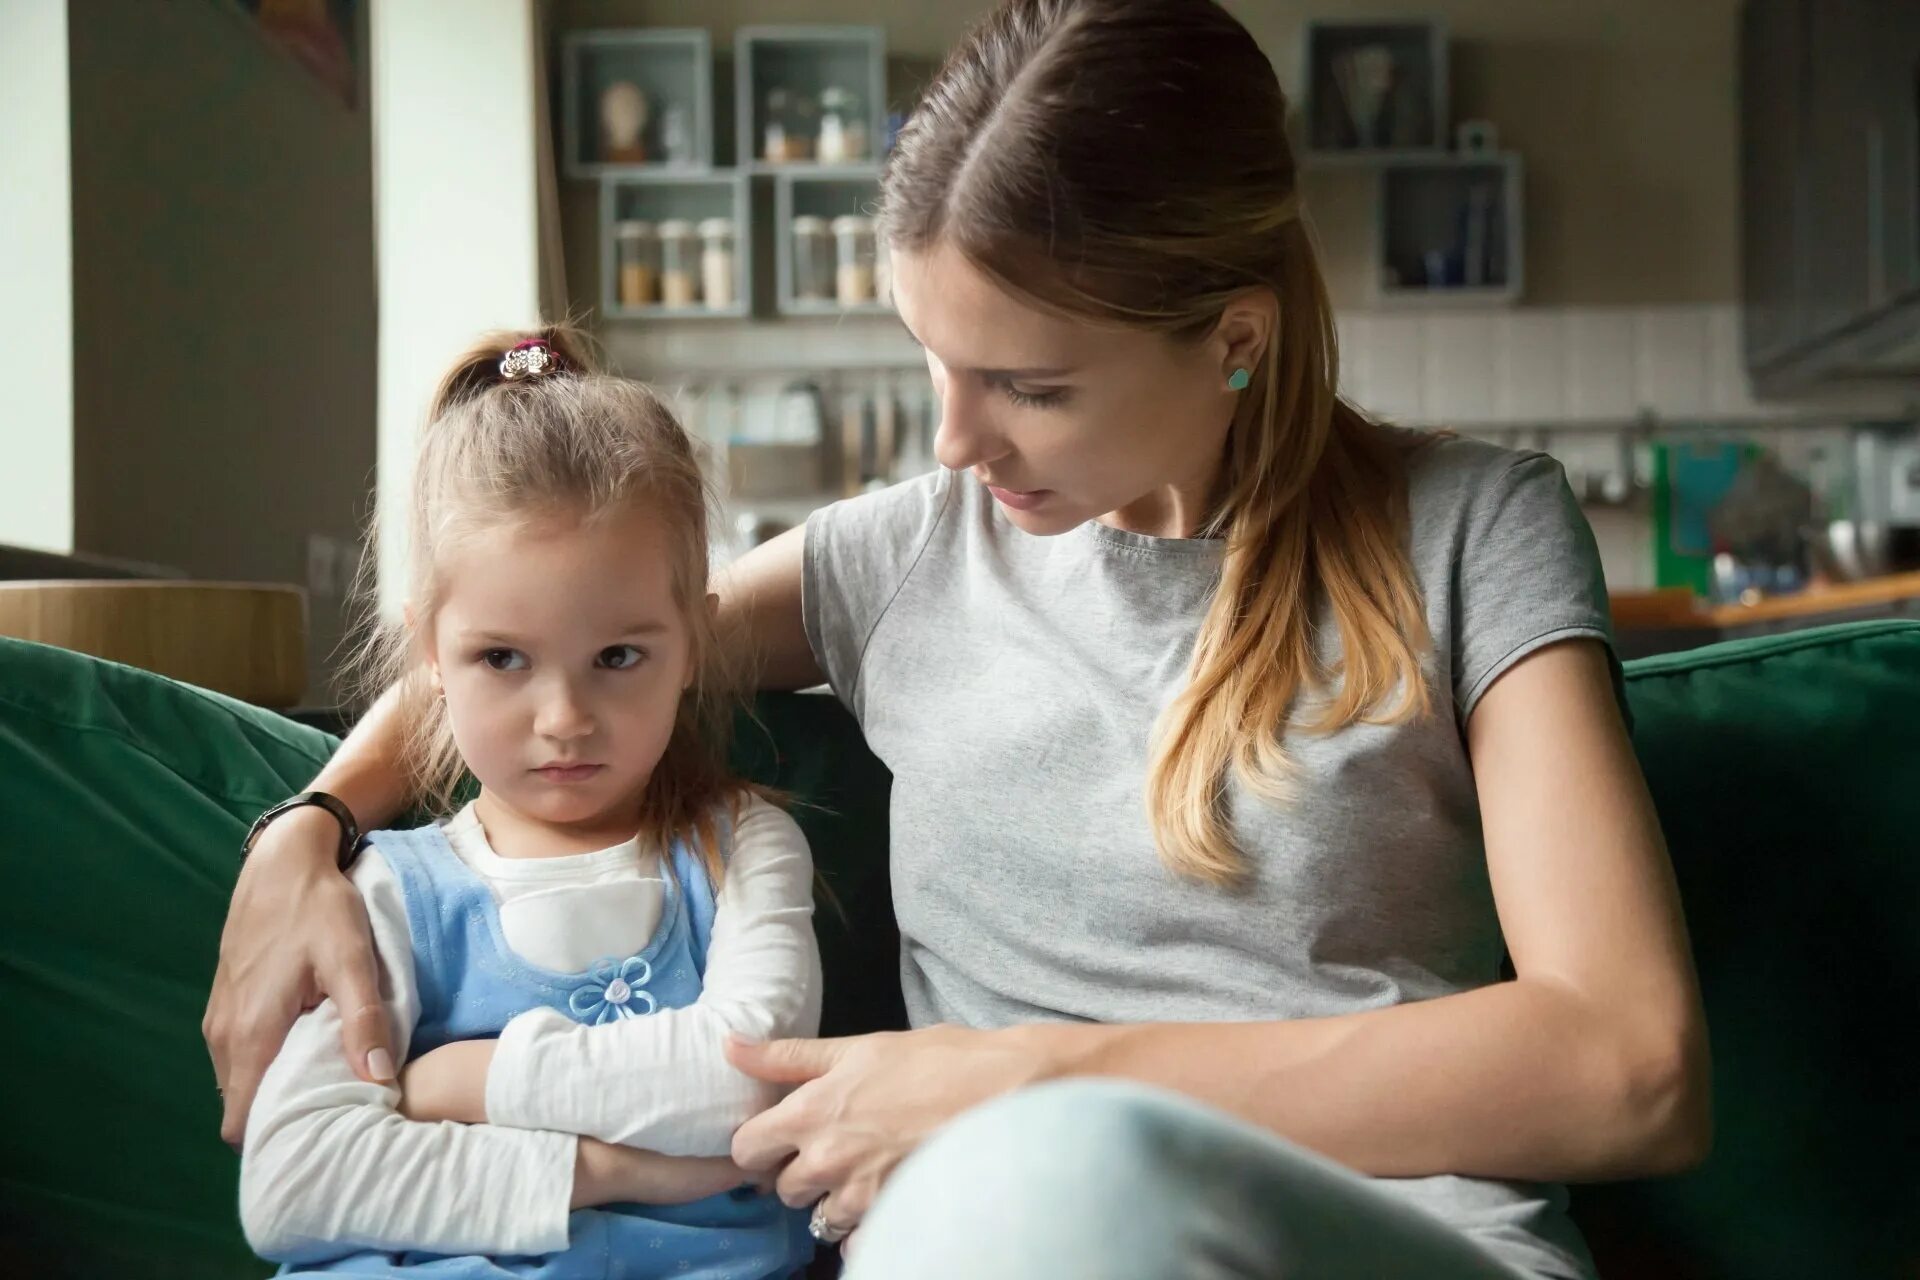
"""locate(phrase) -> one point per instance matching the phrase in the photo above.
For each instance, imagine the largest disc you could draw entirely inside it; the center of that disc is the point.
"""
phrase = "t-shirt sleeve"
(859, 553)
(1528, 576)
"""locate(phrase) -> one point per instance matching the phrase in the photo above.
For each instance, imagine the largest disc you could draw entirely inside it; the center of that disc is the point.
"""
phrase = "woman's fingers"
(349, 975)
(296, 931)
(769, 1139)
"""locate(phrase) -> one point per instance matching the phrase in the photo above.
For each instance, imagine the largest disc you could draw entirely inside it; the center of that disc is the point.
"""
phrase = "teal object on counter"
(1783, 768)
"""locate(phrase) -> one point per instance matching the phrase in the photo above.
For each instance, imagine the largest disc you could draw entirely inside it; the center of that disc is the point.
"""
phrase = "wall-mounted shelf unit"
(1449, 230)
(658, 198)
(672, 69)
(813, 281)
(788, 77)
(1374, 92)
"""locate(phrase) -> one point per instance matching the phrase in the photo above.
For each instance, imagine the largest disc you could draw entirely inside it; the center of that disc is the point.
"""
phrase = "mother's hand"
(865, 1102)
(296, 932)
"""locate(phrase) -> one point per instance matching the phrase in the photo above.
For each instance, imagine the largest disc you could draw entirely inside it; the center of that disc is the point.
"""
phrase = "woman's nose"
(966, 437)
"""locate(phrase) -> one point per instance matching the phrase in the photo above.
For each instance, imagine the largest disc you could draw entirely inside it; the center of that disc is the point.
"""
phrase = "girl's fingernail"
(380, 1065)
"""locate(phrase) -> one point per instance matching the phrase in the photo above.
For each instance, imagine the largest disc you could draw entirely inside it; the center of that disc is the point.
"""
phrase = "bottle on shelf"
(813, 260)
(843, 135)
(638, 254)
(679, 272)
(717, 263)
(853, 281)
(788, 135)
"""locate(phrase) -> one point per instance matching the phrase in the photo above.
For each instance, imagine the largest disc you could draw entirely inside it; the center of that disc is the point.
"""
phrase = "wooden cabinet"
(1830, 170)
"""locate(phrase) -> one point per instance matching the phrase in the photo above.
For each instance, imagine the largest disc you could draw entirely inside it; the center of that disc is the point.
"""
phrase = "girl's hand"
(607, 1174)
(864, 1103)
(450, 1083)
(296, 933)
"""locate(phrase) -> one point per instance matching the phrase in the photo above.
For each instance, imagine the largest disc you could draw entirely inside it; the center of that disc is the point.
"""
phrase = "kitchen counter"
(1648, 622)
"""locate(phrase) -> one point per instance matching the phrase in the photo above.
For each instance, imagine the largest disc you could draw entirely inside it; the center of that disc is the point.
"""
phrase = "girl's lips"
(568, 772)
(1017, 500)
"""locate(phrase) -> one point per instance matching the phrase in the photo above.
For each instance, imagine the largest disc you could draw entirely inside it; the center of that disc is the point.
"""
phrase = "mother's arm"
(1591, 1064)
(296, 930)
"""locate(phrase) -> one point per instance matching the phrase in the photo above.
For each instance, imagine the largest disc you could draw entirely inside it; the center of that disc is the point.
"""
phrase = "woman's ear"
(1241, 337)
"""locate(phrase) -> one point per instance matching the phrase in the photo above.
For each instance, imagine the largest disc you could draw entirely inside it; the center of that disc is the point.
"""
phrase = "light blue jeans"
(1105, 1180)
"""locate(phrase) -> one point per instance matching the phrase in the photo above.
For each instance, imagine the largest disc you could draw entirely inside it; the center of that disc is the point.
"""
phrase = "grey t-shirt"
(1010, 682)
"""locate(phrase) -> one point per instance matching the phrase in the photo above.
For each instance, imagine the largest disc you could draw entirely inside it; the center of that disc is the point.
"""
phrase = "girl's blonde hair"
(571, 445)
(1126, 162)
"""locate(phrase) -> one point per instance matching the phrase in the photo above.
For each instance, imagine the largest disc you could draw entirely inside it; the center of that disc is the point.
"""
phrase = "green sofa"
(1787, 772)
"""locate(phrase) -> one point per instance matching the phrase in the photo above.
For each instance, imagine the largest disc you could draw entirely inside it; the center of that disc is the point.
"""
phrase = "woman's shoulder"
(899, 509)
(1457, 485)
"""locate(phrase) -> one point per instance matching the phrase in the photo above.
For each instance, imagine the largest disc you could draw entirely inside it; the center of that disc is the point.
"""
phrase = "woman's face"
(1065, 421)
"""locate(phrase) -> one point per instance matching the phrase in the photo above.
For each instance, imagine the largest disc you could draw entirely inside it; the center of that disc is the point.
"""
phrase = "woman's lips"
(1018, 500)
(568, 772)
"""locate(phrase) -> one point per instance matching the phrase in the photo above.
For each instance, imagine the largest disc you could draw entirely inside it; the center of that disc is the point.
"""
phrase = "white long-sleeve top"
(331, 1166)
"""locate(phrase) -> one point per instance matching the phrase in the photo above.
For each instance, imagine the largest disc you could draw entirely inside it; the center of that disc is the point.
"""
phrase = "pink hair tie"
(530, 359)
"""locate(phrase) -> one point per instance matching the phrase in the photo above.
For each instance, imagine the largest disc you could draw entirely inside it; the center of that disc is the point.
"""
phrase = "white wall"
(36, 274)
(456, 224)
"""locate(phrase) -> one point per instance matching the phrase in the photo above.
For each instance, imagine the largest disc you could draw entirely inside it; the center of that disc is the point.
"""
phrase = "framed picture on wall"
(319, 34)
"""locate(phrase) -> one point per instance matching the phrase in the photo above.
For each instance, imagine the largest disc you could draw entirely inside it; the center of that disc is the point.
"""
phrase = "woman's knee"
(1065, 1179)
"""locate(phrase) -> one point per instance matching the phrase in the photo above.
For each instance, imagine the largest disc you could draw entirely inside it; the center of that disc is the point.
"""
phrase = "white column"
(36, 280)
(456, 236)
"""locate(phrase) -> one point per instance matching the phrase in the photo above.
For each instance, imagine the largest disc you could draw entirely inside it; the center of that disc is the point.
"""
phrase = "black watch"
(351, 841)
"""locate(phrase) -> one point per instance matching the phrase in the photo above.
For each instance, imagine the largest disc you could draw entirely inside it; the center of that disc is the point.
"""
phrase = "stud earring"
(1238, 380)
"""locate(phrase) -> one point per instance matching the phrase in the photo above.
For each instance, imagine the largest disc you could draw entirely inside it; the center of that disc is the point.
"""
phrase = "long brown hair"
(1125, 162)
(573, 445)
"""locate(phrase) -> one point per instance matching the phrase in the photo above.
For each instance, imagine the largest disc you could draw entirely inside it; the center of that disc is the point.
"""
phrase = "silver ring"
(820, 1229)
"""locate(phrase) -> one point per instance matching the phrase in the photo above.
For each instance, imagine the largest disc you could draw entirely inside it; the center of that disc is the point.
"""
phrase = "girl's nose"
(563, 713)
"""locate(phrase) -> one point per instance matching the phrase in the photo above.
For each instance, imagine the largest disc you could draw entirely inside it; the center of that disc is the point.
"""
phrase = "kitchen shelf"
(1428, 208)
(807, 60)
(658, 196)
(671, 66)
(1412, 116)
(823, 193)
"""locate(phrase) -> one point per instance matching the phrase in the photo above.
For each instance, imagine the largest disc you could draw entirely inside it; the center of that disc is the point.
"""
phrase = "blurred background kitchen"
(1675, 245)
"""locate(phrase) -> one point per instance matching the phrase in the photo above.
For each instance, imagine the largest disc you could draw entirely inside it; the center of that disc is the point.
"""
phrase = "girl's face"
(1065, 421)
(563, 657)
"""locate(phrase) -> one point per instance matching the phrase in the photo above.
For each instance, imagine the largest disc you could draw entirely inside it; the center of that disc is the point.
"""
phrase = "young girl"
(558, 647)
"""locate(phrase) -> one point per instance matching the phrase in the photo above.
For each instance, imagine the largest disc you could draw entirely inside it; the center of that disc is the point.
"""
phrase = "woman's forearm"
(1521, 1080)
(366, 773)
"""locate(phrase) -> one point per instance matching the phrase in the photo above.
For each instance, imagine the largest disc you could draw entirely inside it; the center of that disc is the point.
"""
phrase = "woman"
(1236, 739)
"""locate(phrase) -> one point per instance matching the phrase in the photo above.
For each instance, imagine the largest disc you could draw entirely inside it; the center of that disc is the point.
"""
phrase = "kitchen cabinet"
(1830, 174)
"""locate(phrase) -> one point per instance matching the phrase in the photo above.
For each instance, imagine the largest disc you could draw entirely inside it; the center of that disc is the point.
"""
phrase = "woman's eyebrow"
(1001, 374)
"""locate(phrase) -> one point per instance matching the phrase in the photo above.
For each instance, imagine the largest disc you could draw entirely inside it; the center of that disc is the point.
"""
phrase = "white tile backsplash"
(1602, 368)
(1671, 361)
(1529, 367)
(1457, 381)
(1395, 359)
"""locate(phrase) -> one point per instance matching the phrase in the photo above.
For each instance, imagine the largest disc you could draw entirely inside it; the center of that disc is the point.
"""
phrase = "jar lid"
(633, 227)
(851, 222)
(717, 227)
(675, 227)
(808, 225)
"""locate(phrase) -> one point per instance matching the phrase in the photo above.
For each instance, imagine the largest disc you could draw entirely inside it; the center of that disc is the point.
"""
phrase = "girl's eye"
(1035, 399)
(504, 659)
(619, 657)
